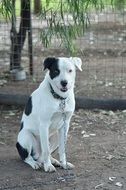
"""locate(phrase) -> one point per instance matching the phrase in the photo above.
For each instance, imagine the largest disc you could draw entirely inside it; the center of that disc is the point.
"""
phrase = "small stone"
(124, 111)
(2, 82)
(109, 157)
(108, 84)
(100, 82)
(92, 134)
(123, 87)
(83, 132)
(86, 135)
(112, 179)
(99, 186)
(11, 113)
(119, 184)
(111, 113)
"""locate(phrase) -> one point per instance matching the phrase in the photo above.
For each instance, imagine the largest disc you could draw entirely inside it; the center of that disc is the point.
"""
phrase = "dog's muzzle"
(64, 85)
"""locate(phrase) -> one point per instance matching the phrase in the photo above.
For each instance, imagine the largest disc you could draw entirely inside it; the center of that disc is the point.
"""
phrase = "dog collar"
(55, 95)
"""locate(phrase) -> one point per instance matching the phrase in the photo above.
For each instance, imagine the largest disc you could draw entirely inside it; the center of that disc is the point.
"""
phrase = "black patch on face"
(54, 70)
(28, 108)
(52, 64)
(22, 151)
(22, 125)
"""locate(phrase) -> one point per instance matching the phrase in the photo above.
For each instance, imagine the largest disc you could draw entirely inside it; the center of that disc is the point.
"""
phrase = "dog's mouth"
(64, 89)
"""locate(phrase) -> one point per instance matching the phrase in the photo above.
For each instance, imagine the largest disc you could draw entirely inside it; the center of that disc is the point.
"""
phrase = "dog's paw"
(36, 165)
(55, 162)
(67, 166)
(49, 168)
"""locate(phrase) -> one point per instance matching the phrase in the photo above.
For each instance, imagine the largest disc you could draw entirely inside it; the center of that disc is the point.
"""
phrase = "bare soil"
(96, 146)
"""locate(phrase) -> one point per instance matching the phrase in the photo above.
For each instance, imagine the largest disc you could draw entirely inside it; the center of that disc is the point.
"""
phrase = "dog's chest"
(57, 120)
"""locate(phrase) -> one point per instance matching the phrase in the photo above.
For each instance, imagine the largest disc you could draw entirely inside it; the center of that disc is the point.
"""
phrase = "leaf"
(47, 2)
(7, 8)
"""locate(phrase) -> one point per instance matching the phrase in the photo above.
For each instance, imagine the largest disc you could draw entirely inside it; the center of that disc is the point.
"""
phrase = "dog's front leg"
(45, 157)
(62, 149)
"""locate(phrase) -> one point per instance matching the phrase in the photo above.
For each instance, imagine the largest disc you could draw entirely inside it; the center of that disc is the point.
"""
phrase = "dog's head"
(62, 72)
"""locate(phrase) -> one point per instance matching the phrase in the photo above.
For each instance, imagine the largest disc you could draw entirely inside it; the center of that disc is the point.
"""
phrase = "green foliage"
(66, 19)
(6, 8)
(119, 4)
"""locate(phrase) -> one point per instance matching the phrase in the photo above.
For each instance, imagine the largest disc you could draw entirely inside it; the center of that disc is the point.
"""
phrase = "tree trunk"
(18, 39)
(37, 6)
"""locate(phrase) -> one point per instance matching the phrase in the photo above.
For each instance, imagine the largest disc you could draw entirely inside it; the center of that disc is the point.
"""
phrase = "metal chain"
(62, 108)
(62, 105)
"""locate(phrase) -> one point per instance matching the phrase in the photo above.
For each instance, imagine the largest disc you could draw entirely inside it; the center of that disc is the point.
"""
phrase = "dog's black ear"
(49, 61)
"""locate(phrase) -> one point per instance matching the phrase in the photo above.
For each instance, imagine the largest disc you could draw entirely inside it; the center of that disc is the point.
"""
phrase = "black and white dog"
(46, 118)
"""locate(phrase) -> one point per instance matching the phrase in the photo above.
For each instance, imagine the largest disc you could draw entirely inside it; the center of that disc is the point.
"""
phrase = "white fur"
(43, 129)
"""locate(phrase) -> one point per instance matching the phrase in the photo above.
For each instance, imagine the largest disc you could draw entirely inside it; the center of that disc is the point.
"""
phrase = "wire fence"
(102, 49)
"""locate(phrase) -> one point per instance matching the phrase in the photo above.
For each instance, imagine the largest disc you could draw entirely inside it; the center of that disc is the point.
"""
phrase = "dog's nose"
(64, 83)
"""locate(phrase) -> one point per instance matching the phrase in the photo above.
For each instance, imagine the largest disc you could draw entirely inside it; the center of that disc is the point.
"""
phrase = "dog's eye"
(70, 71)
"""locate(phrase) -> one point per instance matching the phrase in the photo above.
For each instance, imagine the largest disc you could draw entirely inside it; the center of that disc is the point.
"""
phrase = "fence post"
(18, 38)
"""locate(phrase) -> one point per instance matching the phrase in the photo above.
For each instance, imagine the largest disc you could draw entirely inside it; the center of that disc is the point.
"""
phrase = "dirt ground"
(96, 146)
